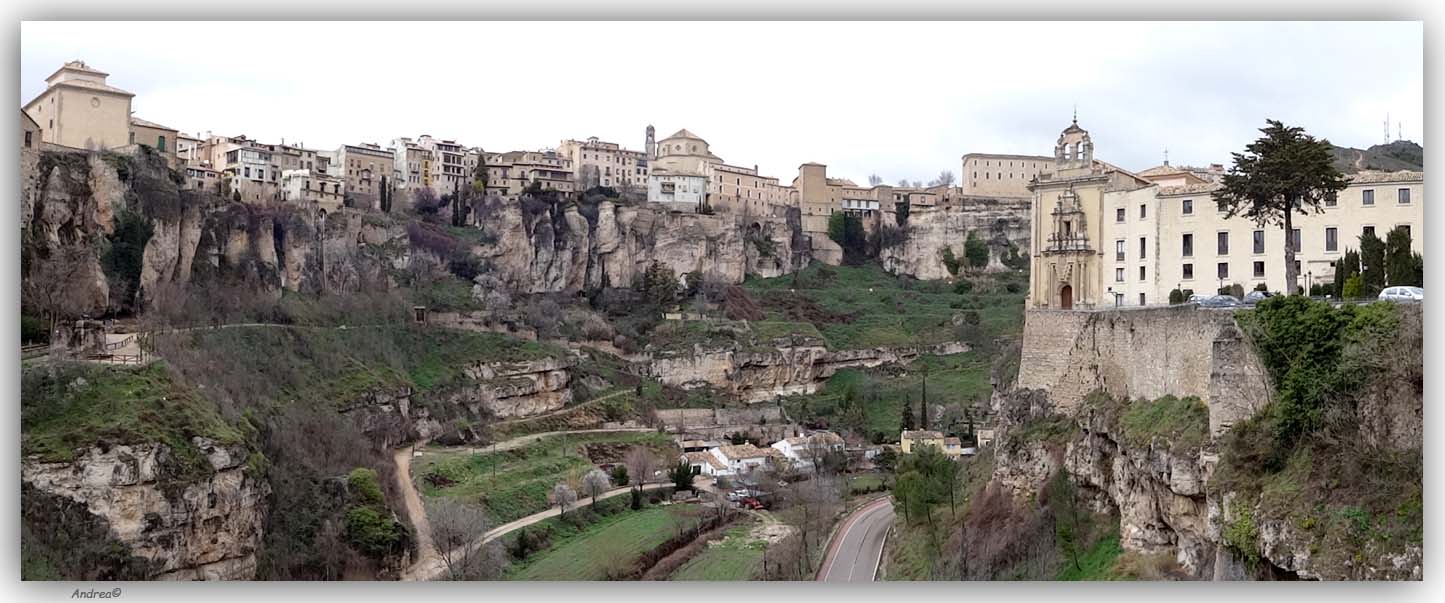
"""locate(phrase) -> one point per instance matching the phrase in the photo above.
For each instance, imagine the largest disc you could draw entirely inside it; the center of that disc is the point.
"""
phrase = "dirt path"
(411, 499)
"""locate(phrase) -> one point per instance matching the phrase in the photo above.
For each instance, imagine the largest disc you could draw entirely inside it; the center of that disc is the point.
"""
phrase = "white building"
(679, 192)
(730, 460)
(804, 451)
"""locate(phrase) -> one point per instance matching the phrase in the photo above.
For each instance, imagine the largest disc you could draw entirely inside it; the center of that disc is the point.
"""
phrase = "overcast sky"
(903, 100)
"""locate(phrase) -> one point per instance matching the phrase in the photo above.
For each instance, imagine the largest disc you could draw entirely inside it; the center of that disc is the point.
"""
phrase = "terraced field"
(514, 483)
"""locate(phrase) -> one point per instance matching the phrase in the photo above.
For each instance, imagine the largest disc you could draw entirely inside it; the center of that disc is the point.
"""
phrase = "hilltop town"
(423, 360)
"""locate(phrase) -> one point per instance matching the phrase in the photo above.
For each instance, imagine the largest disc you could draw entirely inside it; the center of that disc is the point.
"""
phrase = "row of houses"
(799, 453)
(81, 109)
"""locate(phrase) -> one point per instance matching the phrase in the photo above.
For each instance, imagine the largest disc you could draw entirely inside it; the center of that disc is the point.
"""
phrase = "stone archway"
(1066, 297)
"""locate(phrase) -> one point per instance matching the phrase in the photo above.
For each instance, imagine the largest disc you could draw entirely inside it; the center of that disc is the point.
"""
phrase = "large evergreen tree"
(1400, 262)
(1372, 264)
(1282, 173)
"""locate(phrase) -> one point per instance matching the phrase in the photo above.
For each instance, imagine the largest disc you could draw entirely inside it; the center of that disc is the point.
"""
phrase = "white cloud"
(905, 100)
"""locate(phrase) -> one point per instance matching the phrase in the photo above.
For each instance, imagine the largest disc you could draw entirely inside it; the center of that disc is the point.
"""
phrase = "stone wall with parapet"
(1144, 353)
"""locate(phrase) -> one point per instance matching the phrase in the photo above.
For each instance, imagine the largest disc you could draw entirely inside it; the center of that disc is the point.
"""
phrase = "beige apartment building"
(155, 136)
(742, 190)
(79, 109)
(414, 164)
(201, 178)
(1105, 237)
(322, 192)
(30, 134)
(995, 175)
(600, 163)
(448, 164)
(365, 170)
(510, 173)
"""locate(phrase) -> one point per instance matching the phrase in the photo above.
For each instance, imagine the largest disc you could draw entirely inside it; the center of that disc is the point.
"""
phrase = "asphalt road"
(857, 548)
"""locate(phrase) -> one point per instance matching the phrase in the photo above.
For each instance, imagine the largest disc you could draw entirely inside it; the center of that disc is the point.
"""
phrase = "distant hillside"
(1398, 155)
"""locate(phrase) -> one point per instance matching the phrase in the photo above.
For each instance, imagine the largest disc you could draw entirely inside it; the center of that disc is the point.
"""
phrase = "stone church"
(1068, 221)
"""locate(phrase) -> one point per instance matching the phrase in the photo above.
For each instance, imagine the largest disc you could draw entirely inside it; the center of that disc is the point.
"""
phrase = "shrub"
(963, 286)
(976, 250)
(373, 532)
(1354, 288)
(950, 261)
(363, 484)
(619, 475)
(1177, 297)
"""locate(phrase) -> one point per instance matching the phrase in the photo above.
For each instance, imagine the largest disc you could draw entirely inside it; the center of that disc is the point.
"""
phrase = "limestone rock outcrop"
(203, 529)
(765, 373)
(559, 248)
(927, 231)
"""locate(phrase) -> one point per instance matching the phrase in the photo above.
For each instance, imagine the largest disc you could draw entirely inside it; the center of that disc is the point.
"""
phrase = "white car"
(1403, 294)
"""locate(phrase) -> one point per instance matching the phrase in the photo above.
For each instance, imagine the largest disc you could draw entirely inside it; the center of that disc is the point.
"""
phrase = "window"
(1143, 211)
(1223, 243)
(1404, 227)
(1294, 240)
(1221, 206)
(1118, 275)
(1188, 245)
(1188, 272)
(1332, 199)
(1119, 250)
(1141, 273)
(1141, 299)
(1369, 230)
(1403, 195)
(1142, 253)
(1188, 207)
(1259, 270)
(27, 139)
(1223, 270)
(1119, 215)
(1332, 239)
(1367, 196)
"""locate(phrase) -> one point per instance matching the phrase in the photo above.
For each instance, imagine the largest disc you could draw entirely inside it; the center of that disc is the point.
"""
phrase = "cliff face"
(558, 248)
(761, 374)
(530, 247)
(1165, 493)
(998, 222)
(207, 529)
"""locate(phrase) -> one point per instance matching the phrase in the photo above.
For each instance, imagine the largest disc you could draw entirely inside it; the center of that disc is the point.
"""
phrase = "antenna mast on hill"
(1387, 128)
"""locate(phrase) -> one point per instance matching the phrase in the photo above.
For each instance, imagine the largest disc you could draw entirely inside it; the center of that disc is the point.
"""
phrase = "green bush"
(976, 250)
(373, 532)
(364, 485)
(1354, 288)
(963, 286)
(950, 261)
(1176, 297)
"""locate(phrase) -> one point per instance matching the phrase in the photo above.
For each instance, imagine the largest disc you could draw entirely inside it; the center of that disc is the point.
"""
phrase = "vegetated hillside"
(1392, 157)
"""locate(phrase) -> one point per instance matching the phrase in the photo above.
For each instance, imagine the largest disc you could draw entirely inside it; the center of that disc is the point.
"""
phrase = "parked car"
(1219, 301)
(1198, 298)
(1254, 297)
(1403, 294)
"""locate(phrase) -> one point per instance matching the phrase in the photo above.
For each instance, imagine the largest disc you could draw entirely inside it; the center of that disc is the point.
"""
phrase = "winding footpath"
(857, 548)
(429, 563)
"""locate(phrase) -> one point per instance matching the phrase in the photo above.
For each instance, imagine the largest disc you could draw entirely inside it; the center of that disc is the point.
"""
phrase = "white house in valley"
(804, 451)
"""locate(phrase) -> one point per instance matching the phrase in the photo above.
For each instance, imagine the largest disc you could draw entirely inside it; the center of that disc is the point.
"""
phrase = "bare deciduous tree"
(456, 529)
(874, 180)
(945, 178)
(595, 483)
(563, 496)
(53, 283)
(640, 465)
